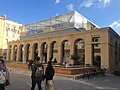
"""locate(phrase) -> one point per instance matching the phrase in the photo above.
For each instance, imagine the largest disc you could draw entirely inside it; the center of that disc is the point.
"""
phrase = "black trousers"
(38, 82)
(2, 87)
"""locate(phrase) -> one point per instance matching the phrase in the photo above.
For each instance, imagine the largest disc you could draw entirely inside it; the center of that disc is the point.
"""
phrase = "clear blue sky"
(104, 13)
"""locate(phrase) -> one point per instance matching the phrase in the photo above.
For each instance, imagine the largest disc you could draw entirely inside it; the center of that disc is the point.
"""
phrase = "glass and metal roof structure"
(61, 22)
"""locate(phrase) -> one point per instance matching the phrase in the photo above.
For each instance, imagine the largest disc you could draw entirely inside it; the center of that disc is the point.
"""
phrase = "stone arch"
(44, 47)
(53, 50)
(21, 50)
(79, 51)
(15, 49)
(27, 51)
(65, 50)
(35, 50)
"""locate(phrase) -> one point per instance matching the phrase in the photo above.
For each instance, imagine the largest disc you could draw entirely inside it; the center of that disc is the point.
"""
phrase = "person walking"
(49, 74)
(5, 69)
(2, 77)
(37, 74)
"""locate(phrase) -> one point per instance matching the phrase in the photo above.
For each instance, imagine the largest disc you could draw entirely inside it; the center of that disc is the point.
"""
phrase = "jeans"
(38, 82)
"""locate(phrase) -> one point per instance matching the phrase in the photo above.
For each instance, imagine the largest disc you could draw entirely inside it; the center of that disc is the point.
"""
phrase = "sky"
(103, 13)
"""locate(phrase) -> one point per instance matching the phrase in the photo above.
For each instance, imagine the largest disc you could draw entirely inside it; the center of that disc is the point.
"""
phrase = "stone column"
(59, 55)
(105, 56)
(8, 54)
(40, 54)
(105, 51)
(71, 53)
(24, 55)
(18, 53)
(48, 52)
(39, 50)
(12, 56)
(30, 53)
(88, 54)
(88, 49)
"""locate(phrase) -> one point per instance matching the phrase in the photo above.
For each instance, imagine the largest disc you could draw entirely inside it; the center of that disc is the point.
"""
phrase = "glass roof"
(61, 22)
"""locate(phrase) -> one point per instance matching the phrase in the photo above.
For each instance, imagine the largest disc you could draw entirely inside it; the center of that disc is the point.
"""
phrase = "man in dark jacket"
(35, 79)
(49, 73)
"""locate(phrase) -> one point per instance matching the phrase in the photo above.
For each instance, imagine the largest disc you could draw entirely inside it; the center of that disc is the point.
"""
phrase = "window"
(7, 27)
(81, 44)
(96, 46)
(7, 34)
(13, 35)
(14, 28)
(96, 39)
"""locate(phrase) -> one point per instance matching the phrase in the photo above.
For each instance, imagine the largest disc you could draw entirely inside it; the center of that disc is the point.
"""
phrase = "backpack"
(39, 71)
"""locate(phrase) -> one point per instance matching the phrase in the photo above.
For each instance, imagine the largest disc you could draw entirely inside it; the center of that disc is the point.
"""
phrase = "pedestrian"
(49, 74)
(50, 59)
(37, 74)
(3, 75)
(55, 61)
(5, 69)
(2, 78)
(30, 64)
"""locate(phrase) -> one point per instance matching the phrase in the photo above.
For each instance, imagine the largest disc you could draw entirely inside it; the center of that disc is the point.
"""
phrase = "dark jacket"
(49, 73)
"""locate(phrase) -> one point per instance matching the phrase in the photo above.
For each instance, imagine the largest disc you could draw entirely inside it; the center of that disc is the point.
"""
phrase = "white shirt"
(2, 77)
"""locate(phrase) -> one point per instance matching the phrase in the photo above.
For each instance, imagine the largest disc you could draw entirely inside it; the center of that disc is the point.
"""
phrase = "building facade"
(9, 31)
(70, 38)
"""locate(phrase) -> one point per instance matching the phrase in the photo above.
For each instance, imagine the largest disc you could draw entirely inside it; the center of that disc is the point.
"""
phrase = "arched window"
(96, 51)
(79, 52)
(21, 50)
(44, 52)
(65, 51)
(35, 50)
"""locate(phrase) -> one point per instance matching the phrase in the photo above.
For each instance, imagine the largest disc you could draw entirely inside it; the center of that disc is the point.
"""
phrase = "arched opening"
(79, 52)
(53, 51)
(27, 51)
(35, 51)
(65, 51)
(15, 52)
(44, 52)
(21, 50)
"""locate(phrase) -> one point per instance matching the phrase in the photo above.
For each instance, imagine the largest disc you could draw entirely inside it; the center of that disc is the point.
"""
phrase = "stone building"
(71, 39)
(9, 31)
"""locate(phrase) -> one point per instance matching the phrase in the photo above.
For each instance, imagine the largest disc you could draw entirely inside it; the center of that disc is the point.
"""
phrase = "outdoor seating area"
(94, 73)
(86, 71)
(71, 69)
